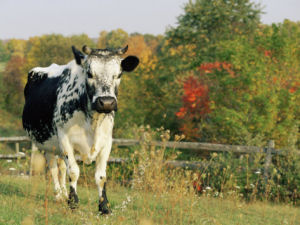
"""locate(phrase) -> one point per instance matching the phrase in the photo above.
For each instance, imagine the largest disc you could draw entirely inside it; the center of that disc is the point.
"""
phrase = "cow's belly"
(51, 145)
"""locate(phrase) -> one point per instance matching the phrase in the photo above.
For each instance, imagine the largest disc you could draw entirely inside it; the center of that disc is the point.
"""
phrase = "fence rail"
(194, 146)
(183, 146)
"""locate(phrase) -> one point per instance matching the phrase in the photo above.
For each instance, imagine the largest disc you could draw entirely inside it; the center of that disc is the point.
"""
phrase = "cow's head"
(103, 69)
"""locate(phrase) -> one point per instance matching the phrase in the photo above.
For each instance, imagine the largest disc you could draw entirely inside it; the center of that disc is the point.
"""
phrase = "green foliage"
(4, 56)
(53, 48)
(206, 22)
(16, 47)
(12, 85)
(113, 39)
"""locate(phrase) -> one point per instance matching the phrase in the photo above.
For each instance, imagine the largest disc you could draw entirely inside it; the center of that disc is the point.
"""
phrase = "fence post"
(17, 146)
(33, 153)
(271, 146)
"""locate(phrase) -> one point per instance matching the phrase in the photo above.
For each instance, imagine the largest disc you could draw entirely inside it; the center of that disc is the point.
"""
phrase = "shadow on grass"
(13, 190)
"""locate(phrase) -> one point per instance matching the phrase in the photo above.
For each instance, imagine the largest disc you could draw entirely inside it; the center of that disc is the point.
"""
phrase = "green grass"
(26, 201)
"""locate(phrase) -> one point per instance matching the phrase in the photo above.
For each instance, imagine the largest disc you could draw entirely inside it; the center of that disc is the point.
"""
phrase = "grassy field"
(27, 200)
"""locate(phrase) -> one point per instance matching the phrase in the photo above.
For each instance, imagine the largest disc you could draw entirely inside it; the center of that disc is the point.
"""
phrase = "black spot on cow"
(40, 102)
(105, 89)
(116, 91)
(33, 79)
(68, 108)
(91, 90)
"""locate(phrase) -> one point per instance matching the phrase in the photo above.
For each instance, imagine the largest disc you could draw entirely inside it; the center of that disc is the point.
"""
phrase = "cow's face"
(103, 69)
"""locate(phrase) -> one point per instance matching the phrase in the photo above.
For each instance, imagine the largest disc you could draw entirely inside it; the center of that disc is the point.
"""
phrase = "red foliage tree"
(195, 99)
(195, 106)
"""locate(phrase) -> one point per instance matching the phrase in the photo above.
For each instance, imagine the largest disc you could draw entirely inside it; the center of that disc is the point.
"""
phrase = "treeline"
(220, 75)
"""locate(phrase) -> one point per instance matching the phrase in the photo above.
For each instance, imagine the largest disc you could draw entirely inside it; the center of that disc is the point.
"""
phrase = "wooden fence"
(182, 146)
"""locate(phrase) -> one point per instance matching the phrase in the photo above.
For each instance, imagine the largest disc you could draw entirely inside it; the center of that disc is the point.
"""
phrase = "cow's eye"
(89, 75)
(119, 76)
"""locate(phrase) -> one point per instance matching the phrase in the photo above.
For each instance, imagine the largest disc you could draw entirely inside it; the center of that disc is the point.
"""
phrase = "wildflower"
(258, 172)
(237, 187)
(9, 160)
(208, 188)
(12, 169)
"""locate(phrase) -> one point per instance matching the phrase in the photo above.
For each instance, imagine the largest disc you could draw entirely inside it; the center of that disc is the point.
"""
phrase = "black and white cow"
(71, 108)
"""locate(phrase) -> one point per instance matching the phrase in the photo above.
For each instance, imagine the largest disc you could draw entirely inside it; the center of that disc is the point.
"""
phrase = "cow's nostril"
(101, 102)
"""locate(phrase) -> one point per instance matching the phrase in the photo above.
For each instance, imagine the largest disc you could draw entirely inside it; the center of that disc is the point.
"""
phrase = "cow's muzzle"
(105, 104)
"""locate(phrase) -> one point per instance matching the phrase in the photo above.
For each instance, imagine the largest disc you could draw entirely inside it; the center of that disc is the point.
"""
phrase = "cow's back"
(40, 101)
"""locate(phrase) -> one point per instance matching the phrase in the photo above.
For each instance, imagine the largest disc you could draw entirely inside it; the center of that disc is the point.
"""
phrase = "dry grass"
(25, 201)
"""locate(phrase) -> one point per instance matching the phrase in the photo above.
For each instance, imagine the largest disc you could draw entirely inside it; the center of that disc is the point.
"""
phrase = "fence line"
(194, 146)
(191, 146)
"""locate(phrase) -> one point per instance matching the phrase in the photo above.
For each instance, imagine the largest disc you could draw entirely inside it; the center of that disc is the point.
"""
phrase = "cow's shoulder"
(38, 74)
(40, 77)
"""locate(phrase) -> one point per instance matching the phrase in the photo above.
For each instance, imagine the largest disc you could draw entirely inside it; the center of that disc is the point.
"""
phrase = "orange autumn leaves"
(195, 99)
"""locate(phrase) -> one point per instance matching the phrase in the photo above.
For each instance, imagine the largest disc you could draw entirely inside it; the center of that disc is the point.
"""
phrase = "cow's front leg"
(73, 170)
(100, 176)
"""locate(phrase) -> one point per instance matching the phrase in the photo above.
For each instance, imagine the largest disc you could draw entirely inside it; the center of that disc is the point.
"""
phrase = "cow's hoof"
(104, 208)
(73, 202)
(73, 199)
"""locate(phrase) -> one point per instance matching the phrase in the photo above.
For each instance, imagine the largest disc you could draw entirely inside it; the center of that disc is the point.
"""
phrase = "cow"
(71, 108)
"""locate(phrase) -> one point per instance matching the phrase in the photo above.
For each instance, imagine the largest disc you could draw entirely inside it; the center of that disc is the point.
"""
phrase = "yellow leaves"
(16, 47)
(173, 52)
(148, 60)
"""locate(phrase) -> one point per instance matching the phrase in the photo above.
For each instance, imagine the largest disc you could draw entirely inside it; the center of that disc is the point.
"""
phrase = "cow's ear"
(130, 63)
(78, 55)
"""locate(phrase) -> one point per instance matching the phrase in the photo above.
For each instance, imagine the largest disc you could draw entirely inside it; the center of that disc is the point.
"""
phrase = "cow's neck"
(102, 126)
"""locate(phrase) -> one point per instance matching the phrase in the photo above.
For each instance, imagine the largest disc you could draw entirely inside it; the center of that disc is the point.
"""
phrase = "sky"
(27, 18)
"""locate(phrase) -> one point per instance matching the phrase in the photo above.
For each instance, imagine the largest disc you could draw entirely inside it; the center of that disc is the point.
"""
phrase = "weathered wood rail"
(183, 146)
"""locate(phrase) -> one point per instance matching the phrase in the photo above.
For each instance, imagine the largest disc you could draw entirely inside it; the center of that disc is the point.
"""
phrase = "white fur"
(105, 73)
(53, 70)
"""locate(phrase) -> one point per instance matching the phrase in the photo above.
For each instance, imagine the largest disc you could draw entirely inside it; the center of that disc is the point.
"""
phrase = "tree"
(205, 22)
(16, 47)
(4, 55)
(113, 39)
(12, 85)
(254, 97)
(53, 48)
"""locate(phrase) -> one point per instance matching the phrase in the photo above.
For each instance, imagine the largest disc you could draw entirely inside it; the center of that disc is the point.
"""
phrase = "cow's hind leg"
(100, 177)
(72, 168)
(62, 178)
(52, 165)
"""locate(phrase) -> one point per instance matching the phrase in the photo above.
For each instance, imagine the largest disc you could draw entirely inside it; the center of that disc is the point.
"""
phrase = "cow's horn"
(122, 51)
(86, 50)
